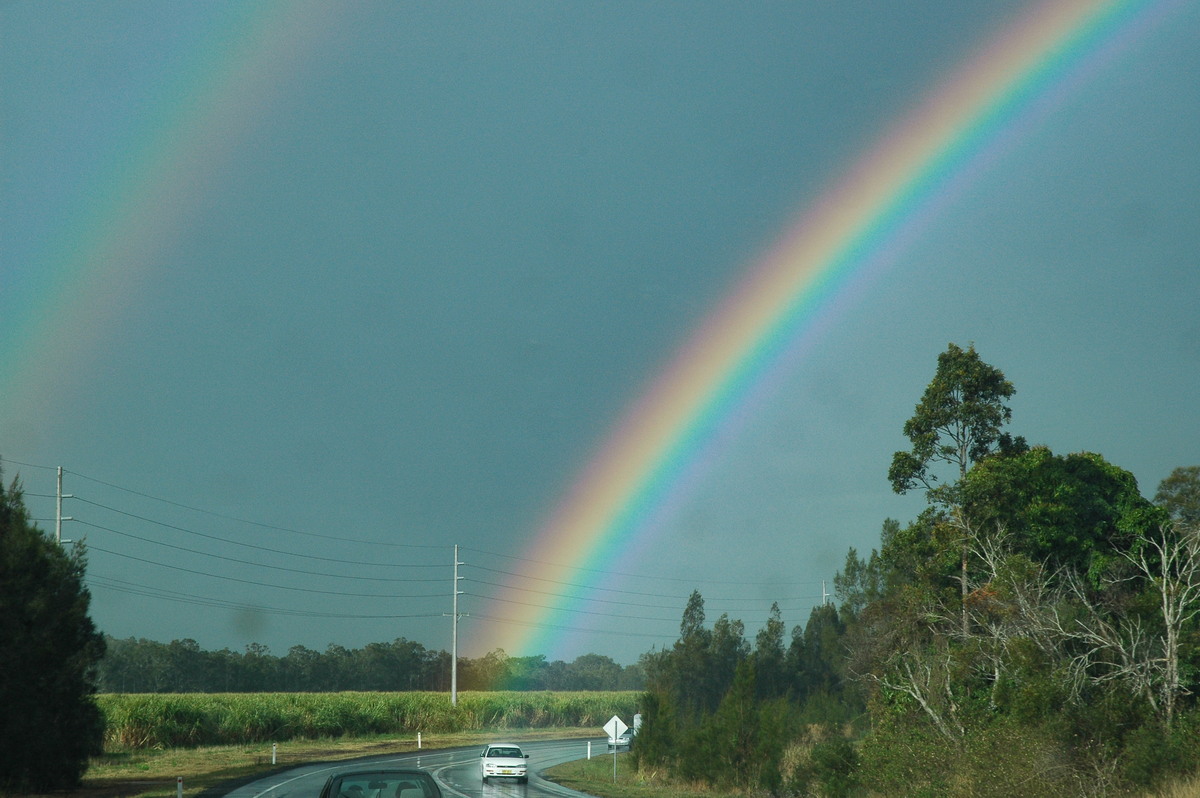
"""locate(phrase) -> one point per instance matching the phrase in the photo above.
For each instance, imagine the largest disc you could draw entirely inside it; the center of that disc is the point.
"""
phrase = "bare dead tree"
(1174, 570)
(1113, 647)
(1010, 602)
(1146, 657)
(924, 674)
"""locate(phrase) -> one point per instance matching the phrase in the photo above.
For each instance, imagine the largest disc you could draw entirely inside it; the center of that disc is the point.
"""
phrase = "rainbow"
(855, 229)
(71, 296)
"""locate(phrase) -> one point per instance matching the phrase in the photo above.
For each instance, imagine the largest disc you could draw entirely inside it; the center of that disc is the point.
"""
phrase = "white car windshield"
(504, 752)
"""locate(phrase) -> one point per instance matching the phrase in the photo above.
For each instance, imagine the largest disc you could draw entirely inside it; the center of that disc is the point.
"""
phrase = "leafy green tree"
(300, 669)
(658, 738)
(48, 657)
(1179, 495)
(861, 581)
(1074, 511)
(594, 672)
(957, 423)
(690, 668)
(527, 673)
(769, 655)
(728, 650)
(728, 749)
(818, 653)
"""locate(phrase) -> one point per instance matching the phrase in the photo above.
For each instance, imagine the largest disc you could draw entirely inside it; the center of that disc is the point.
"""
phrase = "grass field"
(140, 721)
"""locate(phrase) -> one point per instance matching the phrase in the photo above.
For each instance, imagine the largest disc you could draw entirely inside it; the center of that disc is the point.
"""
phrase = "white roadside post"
(615, 728)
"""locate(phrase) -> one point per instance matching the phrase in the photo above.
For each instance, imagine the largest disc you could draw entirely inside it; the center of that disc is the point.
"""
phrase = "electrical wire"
(92, 547)
(534, 625)
(122, 586)
(110, 583)
(619, 573)
(249, 522)
(252, 546)
(672, 596)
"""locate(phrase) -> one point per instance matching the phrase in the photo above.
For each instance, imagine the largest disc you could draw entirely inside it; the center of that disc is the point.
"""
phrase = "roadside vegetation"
(1032, 632)
(149, 721)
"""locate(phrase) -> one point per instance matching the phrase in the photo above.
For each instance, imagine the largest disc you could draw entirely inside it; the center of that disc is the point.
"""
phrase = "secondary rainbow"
(71, 295)
(856, 228)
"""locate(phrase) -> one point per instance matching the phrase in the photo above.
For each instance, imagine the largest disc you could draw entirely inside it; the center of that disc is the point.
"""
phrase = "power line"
(26, 465)
(247, 545)
(672, 596)
(524, 583)
(249, 522)
(580, 612)
(258, 583)
(243, 562)
(122, 586)
(619, 573)
(534, 625)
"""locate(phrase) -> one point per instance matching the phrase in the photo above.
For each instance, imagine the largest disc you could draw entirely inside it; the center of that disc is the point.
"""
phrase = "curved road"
(456, 770)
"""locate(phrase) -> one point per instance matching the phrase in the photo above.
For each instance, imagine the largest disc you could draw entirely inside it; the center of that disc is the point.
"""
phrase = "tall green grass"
(193, 719)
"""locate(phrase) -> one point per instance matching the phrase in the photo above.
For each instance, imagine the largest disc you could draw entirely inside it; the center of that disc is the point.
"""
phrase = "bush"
(49, 649)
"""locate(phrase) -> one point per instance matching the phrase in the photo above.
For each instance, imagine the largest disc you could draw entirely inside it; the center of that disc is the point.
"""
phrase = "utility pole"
(454, 634)
(824, 594)
(58, 516)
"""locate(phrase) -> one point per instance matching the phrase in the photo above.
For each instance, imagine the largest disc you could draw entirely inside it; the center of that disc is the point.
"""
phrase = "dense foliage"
(1032, 632)
(49, 647)
(181, 666)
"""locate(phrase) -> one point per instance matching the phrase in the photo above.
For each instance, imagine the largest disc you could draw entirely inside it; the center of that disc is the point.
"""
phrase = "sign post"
(615, 728)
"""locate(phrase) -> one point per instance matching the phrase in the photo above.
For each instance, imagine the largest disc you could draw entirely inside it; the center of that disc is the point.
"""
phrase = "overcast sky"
(301, 296)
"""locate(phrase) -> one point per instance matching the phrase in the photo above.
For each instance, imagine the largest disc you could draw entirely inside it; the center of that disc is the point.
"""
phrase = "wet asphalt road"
(456, 770)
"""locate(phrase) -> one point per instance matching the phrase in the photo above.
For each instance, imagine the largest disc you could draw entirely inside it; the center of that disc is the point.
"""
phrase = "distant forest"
(181, 666)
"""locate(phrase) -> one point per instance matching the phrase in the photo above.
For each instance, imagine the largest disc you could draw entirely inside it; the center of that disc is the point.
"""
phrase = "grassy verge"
(595, 777)
(152, 773)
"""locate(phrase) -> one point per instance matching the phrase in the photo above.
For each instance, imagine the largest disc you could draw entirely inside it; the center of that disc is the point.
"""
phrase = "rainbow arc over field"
(856, 228)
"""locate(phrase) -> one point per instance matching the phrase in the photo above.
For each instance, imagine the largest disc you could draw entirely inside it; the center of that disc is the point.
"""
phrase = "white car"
(504, 760)
(623, 740)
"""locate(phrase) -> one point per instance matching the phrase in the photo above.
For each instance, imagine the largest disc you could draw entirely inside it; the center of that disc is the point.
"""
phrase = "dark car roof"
(382, 783)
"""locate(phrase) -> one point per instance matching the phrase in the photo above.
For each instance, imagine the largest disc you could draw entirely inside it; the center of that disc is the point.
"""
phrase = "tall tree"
(769, 656)
(48, 656)
(1179, 495)
(691, 671)
(957, 423)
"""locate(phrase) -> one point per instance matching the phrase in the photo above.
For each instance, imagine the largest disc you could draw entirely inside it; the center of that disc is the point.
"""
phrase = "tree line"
(182, 666)
(1032, 632)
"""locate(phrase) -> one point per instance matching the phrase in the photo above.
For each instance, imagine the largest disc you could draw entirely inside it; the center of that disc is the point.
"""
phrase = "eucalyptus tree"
(956, 424)
(1179, 495)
